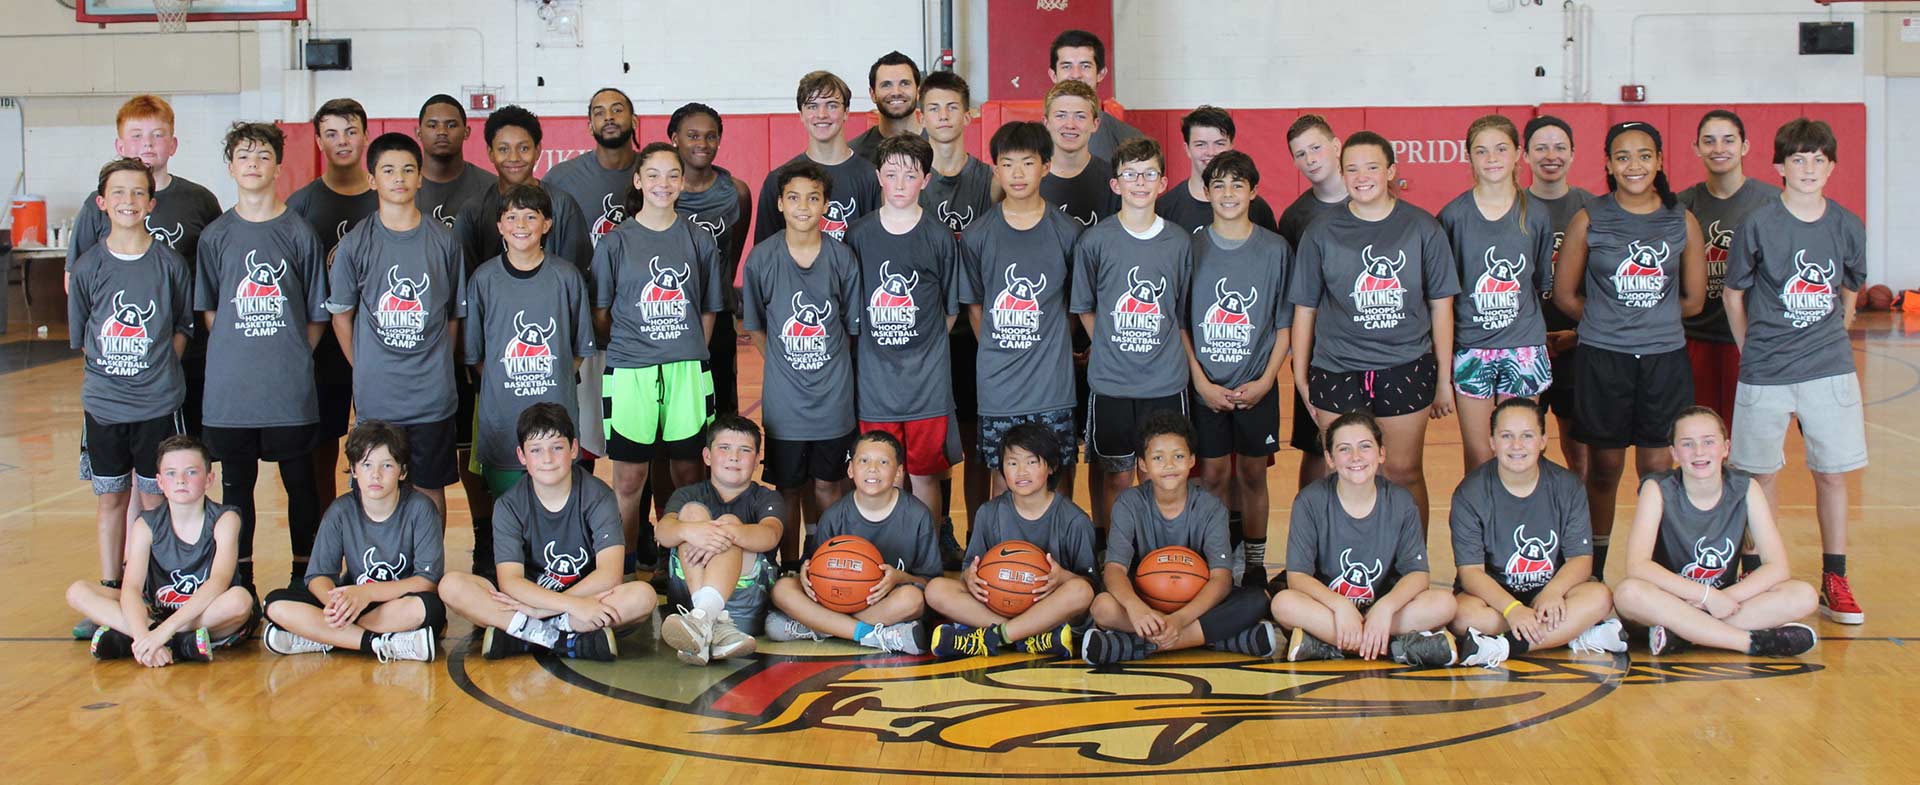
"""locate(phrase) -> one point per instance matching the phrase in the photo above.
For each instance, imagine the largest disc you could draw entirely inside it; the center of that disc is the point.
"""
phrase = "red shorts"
(1716, 374)
(926, 442)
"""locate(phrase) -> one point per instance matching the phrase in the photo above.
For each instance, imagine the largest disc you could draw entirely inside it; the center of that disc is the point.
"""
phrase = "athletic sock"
(531, 630)
(1236, 523)
(708, 599)
(366, 640)
(861, 630)
(1835, 563)
(1600, 542)
(1516, 645)
(997, 637)
(1256, 551)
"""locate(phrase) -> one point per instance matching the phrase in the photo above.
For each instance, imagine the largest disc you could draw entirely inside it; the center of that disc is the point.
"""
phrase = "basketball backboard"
(113, 11)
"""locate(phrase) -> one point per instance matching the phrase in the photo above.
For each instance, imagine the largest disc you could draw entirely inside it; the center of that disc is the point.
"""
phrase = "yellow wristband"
(1510, 607)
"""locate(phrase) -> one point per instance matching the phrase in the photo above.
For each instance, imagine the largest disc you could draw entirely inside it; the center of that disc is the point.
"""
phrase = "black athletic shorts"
(1306, 432)
(1629, 400)
(1559, 398)
(1387, 392)
(436, 615)
(463, 406)
(621, 448)
(1253, 431)
(431, 444)
(1113, 427)
(193, 370)
(117, 450)
(790, 464)
(273, 443)
(723, 349)
(336, 409)
(963, 350)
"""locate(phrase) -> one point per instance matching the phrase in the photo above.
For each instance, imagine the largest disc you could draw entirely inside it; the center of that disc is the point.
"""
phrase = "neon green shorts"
(656, 411)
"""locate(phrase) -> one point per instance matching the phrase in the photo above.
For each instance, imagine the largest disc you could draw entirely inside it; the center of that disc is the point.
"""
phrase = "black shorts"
(431, 444)
(1387, 392)
(1306, 432)
(1629, 400)
(272, 443)
(436, 616)
(723, 348)
(463, 404)
(193, 369)
(790, 464)
(1559, 398)
(1253, 431)
(1113, 426)
(119, 451)
(336, 409)
(963, 348)
(623, 449)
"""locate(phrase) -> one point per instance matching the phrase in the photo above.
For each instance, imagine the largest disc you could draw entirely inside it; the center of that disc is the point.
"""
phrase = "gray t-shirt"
(523, 329)
(1239, 302)
(177, 568)
(1701, 545)
(1522, 543)
(717, 210)
(1370, 282)
(811, 317)
(265, 283)
(1360, 559)
(444, 201)
(657, 285)
(1064, 531)
(1793, 272)
(354, 549)
(1719, 219)
(556, 549)
(1109, 135)
(905, 538)
(1633, 279)
(958, 200)
(1179, 206)
(599, 192)
(124, 314)
(1503, 265)
(909, 285)
(1086, 197)
(478, 230)
(1021, 280)
(1137, 291)
(403, 287)
(755, 504)
(181, 211)
(1560, 212)
(1300, 214)
(855, 191)
(1139, 529)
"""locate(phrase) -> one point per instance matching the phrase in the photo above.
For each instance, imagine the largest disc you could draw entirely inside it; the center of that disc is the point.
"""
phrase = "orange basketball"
(1879, 298)
(843, 571)
(1013, 571)
(1169, 578)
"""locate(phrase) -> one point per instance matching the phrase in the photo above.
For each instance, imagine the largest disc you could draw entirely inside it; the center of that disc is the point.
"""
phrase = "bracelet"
(1510, 607)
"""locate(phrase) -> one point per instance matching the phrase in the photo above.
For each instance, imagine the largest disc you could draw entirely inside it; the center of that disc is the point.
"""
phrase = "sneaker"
(1106, 647)
(903, 638)
(689, 633)
(597, 645)
(953, 641)
(1661, 642)
(416, 645)
(1425, 649)
(1488, 650)
(1052, 643)
(192, 646)
(1260, 640)
(110, 644)
(1303, 647)
(782, 628)
(85, 629)
(279, 640)
(496, 644)
(1609, 636)
(728, 641)
(1836, 600)
(1786, 640)
(950, 551)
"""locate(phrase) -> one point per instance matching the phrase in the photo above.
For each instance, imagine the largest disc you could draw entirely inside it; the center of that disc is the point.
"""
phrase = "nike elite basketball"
(1014, 573)
(843, 571)
(1169, 578)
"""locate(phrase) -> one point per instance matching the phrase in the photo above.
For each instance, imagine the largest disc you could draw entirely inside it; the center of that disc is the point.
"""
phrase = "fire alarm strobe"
(1633, 93)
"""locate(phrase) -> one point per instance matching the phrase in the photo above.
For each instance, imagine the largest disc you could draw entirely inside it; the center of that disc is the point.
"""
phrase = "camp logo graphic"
(1807, 297)
(1016, 310)
(1356, 579)
(161, 233)
(340, 232)
(803, 336)
(1137, 315)
(373, 570)
(1091, 219)
(124, 338)
(440, 214)
(891, 310)
(1558, 237)
(1718, 241)
(561, 569)
(1379, 299)
(178, 589)
(1531, 565)
(1709, 563)
(400, 315)
(663, 301)
(612, 212)
(716, 226)
(954, 220)
(1226, 330)
(839, 214)
(1641, 279)
(528, 358)
(259, 304)
(1496, 293)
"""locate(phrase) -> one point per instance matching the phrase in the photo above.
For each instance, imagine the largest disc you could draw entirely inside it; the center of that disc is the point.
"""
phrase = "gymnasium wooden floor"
(799, 710)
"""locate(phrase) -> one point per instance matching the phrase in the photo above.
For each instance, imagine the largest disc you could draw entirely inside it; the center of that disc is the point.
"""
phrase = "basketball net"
(172, 14)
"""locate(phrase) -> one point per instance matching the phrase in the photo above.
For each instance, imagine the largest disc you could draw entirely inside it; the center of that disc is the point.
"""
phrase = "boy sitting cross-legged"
(721, 532)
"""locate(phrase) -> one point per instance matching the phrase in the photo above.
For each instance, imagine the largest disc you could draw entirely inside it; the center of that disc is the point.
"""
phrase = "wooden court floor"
(800, 712)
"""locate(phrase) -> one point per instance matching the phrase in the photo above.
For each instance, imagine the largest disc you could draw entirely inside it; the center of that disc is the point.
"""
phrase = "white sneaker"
(416, 645)
(279, 640)
(1489, 652)
(689, 633)
(902, 638)
(1609, 636)
(782, 628)
(728, 641)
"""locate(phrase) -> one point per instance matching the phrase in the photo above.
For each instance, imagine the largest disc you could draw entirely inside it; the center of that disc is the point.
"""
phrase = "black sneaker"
(496, 644)
(1057, 642)
(597, 645)
(1106, 647)
(1256, 641)
(1303, 647)
(110, 644)
(192, 646)
(1661, 642)
(1786, 640)
(950, 551)
(1425, 649)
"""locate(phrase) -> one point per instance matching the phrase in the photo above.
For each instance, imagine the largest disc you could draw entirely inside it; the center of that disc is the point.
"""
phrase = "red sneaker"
(1836, 600)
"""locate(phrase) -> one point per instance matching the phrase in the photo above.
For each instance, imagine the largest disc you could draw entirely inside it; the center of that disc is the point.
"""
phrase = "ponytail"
(1666, 191)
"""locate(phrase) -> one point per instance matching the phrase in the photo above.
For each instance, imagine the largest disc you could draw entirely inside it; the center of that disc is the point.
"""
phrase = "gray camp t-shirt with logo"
(1503, 265)
(265, 282)
(444, 201)
(1300, 214)
(1239, 302)
(1139, 529)
(1701, 545)
(656, 286)
(1633, 279)
(402, 287)
(176, 569)
(717, 210)
(124, 314)
(908, 286)
(1370, 282)
(1793, 272)
(1560, 212)
(478, 230)
(854, 192)
(353, 549)
(599, 192)
(181, 211)
(1137, 291)
(556, 549)
(755, 504)
(523, 329)
(1719, 219)
(1179, 206)
(905, 538)
(1021, 280)
(961, 199)
(331, 214)
(1522, 543)
(810, 317)
(1360, 559)
(1086, 197)
(1064, 531)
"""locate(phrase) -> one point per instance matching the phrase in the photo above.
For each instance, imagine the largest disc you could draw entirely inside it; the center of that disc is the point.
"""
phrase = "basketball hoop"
(171, 14)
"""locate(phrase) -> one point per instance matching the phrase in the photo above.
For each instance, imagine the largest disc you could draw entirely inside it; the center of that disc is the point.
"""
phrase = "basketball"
(1879, 298)
(1013, 571)
(843, 571)
(1169, 578)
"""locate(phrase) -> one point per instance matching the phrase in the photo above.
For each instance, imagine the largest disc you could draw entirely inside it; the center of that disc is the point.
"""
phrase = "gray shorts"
(752, 594)
(1832, 421)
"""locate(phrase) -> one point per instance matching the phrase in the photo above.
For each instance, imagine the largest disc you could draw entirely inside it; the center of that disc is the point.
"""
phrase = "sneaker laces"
(1838, 590)
(1592, 642)
(381, 651)
(972, 644)
(294, 643)
(1040, 642)
(1489, 650)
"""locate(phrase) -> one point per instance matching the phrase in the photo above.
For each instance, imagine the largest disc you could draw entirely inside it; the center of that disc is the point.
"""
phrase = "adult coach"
(598, 181)
(893, 82)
